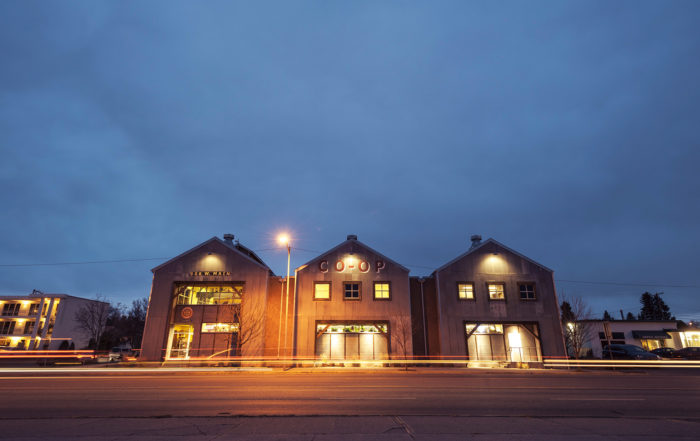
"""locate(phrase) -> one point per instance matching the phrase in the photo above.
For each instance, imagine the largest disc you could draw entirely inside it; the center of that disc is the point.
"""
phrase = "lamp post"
(283, 239)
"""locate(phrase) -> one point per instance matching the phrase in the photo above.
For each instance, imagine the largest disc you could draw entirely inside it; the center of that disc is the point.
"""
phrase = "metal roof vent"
(352, 236)
(476, 241)
(228, 238)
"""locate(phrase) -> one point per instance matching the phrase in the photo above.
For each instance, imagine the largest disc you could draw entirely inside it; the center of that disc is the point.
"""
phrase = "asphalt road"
(659, 394)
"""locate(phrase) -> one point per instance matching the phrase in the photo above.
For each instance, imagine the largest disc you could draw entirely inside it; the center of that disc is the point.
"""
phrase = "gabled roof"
(236, 247)
(493, 241)
(354, 241)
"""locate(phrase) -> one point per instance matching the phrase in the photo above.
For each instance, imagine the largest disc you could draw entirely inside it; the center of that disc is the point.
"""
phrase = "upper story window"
(29, 327)
(465, 291)
(192, 294)
(351, 291)
(497, 291)
(7, 328)
(382, 291)
(527, 291)
(322, 291)
(34, 309)
(11, 308)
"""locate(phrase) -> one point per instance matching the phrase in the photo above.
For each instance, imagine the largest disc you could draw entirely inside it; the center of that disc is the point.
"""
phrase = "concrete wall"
(65, 326)
(494, 263)
(213, 255)
(310, 311)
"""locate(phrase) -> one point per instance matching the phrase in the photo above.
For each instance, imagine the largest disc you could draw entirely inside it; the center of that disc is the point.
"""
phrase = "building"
(41, 321)
(353, 303)
(211, 302)
(649, 335)
(350, 304)
(491, 304)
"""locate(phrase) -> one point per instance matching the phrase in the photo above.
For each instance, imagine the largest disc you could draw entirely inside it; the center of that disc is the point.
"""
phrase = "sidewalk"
(367, 428)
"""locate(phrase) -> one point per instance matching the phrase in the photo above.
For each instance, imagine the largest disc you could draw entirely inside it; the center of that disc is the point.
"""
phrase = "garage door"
(355, 341)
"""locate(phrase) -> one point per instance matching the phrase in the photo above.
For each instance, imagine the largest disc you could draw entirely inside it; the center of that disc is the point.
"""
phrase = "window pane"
(466, 291)
(496, 291)
(322, 291)
(381, 290)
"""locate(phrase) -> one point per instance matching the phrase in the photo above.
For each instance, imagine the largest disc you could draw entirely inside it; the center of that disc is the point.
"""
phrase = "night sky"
(568, 131)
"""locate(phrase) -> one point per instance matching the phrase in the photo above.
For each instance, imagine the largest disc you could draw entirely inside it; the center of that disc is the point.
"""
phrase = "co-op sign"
(351, 263)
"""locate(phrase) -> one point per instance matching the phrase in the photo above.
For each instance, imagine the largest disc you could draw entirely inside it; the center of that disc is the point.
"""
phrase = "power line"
(89, 262)
(628, 284)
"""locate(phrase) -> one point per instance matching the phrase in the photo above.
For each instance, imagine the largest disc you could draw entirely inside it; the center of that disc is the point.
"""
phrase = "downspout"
(425, 331)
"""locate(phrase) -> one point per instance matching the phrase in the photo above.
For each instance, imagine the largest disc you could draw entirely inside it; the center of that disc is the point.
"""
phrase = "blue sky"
(566, 130)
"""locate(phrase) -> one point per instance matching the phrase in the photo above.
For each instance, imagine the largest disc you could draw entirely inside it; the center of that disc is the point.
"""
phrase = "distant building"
(352, 303)
(41, 321)
(649, 335)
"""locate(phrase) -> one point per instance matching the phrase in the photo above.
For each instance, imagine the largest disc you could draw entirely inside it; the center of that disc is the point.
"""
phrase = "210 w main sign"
(351, 264)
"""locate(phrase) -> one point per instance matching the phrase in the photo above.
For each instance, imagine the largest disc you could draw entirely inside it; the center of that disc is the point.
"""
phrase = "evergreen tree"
(647, 311)
(630, 316)
(654, 307)
(607, 316)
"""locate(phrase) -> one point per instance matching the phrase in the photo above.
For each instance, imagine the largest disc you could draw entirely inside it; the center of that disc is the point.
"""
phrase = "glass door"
(180, 340)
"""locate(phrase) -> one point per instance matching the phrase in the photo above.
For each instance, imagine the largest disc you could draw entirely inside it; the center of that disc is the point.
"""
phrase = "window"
(382, 291)
(10, 309)
(322, 291)
(7, 328)
(28, 327)
(527, 291)
(497, 291)
(352, 291)
(34, 309)
(220, 327)
(208, 294)
(484, 329)
(465, 291)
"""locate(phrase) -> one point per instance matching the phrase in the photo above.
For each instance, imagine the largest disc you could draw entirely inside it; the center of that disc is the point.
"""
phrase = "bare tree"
(577, 330)
(92, 317)
(247, 319)
(402, 331)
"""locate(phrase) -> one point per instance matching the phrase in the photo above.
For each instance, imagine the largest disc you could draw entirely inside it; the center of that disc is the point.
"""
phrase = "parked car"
(664, 352)
(628, 352)
(690, 353)
(119, 354)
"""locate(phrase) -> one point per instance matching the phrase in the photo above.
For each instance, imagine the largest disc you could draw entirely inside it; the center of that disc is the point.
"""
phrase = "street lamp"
(283, 239)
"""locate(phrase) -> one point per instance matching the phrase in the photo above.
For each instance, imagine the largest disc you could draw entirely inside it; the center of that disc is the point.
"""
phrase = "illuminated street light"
(283, 239)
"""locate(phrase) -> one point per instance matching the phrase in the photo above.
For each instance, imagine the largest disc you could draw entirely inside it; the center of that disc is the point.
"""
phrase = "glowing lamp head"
(283, 239)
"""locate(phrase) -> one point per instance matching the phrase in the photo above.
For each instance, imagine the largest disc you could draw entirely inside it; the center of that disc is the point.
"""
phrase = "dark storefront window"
(203, 294)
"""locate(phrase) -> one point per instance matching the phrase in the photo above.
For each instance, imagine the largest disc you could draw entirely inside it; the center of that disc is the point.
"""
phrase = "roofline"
(233, 248)
(301, 267)
(494, 241)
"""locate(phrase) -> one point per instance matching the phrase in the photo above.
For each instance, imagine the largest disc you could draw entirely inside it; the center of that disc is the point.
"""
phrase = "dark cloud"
(567, 131)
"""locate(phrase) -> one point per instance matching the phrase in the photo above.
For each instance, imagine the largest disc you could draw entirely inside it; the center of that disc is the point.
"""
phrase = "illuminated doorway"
(179, 342)
(351, 341)
(504, 342)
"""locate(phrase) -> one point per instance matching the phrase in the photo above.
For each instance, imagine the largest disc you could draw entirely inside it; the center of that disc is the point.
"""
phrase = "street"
(656, 404)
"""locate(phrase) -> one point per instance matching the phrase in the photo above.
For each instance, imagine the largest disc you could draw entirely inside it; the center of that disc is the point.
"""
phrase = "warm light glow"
(283, 239)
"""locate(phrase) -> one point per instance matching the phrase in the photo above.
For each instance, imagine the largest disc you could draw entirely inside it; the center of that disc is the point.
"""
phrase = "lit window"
(352, 291)
(208, 294)
(465, 291)
(34, 309)
(381, 290)
(29, 327)
(322, 291)
(484, 329)
(527, 291)
(219, 327)
(496, 291)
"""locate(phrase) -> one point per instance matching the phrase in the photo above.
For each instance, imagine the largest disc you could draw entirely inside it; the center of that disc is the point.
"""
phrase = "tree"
(246, 320)
(607, 316)
(91, 318)
(654, 307)
(630, 316)
(402, 332)
(577, 331)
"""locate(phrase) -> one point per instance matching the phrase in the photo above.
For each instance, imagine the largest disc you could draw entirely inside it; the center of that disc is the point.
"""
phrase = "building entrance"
(506, 342)
(352, 341)
(179, 342)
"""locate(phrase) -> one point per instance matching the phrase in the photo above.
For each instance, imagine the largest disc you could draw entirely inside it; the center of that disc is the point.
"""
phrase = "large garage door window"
(351, 341)
(502, 342)
(208, 294)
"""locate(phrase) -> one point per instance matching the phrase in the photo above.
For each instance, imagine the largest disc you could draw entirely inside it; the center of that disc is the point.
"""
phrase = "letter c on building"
(323, 266)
